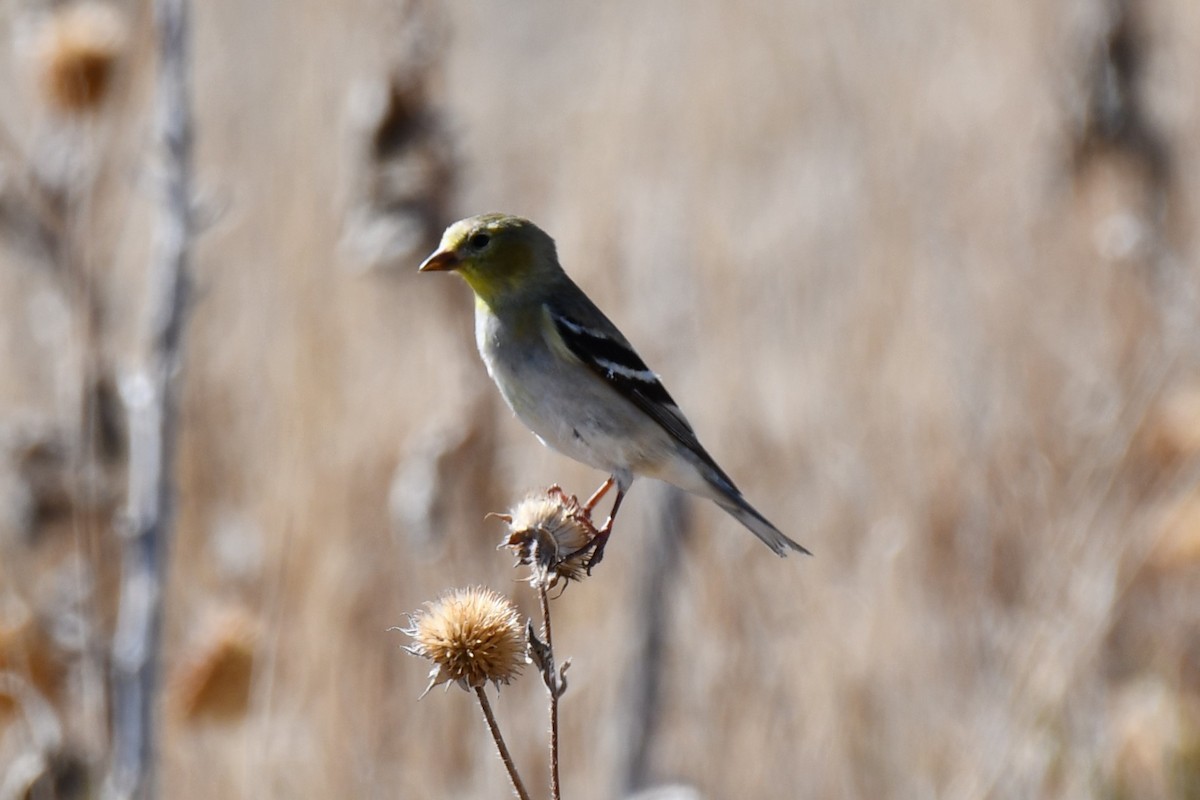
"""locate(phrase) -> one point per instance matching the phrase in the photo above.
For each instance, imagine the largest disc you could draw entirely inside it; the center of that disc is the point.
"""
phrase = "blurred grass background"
(923, 275)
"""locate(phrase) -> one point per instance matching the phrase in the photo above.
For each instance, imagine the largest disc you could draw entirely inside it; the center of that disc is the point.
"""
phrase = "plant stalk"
(555, 785)
(518, 786)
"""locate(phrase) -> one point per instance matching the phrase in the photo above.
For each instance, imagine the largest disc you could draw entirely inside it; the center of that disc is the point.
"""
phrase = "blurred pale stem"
(655, 585)
(518, 786)
(151, 398)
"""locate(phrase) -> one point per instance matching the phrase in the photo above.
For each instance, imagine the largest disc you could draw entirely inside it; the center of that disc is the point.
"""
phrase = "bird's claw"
(597, 548)
(598, 542)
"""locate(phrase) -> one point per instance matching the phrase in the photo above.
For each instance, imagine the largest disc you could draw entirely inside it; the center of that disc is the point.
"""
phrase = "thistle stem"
(503, 748)
(555, 785)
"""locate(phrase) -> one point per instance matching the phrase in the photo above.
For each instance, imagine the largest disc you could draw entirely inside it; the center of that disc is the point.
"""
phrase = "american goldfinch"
(572, 378)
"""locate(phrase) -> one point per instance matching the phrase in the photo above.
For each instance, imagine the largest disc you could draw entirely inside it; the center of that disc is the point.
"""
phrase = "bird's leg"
(597, 544)
(599, 493)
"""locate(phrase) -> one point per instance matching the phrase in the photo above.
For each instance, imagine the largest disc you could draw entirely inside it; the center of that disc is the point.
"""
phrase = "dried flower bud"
(550, 531)
(471, 635)
(77, 51)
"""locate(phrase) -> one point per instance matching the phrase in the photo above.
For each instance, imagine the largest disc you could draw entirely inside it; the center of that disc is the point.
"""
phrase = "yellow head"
(498, 255)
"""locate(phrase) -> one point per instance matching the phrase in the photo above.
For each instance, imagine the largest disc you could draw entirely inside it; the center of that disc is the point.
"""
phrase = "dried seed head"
(471, 635)
(77, 51)
(550, 531)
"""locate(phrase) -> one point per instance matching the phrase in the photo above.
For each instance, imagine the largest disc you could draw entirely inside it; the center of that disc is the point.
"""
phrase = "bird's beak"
(441, 261)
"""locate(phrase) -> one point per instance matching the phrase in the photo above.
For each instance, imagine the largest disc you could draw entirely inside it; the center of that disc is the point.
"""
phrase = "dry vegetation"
(945, 258)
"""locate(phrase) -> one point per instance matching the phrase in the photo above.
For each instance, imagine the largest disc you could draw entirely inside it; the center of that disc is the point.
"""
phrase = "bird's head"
(497, 254)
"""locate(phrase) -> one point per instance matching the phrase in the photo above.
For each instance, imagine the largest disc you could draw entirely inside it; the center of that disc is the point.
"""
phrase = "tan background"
(922, 274)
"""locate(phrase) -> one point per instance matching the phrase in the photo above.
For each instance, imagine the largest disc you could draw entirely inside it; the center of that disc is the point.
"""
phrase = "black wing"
(614, 361)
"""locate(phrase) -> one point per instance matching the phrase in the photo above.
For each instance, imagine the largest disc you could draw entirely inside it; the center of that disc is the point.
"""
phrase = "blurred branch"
(660, 571)
(151, 399)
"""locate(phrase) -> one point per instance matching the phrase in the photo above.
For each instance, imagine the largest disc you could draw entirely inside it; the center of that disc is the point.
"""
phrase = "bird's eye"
(479, 241)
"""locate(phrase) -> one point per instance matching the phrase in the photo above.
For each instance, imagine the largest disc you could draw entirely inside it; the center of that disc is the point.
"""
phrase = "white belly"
(567, 406)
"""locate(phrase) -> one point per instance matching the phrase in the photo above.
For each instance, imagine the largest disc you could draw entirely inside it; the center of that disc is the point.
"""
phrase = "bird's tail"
(744, 513)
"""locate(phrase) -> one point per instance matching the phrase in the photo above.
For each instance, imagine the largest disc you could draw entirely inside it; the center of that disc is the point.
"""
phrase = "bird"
(573, 378)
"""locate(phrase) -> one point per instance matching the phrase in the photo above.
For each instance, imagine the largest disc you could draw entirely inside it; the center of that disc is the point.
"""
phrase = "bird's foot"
(594, 549)
(597, 547)
(597, 544)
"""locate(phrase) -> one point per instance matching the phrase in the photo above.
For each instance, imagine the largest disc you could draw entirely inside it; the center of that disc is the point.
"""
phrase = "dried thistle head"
(471, 635)
(550, 531)
(77, 51)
